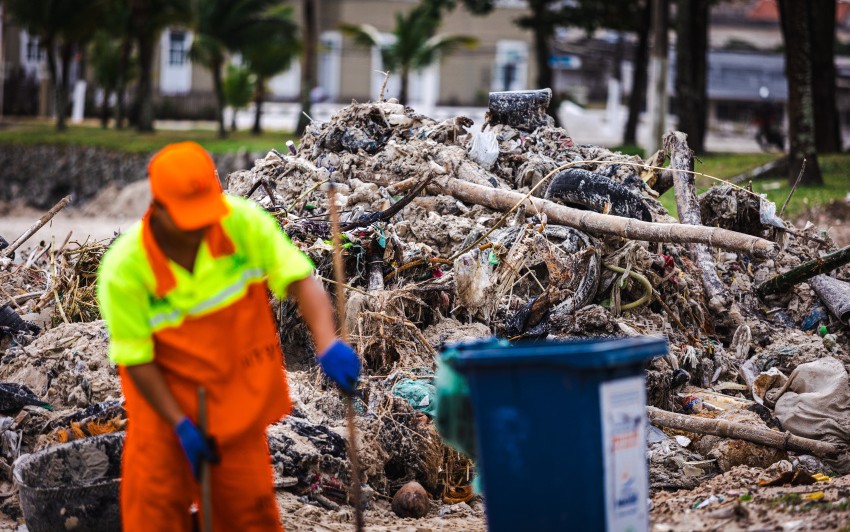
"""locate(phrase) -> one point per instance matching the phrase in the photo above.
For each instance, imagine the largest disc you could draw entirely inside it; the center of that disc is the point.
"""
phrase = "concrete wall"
(42, 175)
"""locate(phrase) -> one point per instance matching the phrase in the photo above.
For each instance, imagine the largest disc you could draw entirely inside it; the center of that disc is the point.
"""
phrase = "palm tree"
(416, 44)
(147, 20)
(223, 26)
(63, 26)
(267, 59)
(237, 84)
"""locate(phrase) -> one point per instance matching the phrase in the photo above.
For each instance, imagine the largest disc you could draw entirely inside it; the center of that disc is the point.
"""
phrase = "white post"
(79, 105)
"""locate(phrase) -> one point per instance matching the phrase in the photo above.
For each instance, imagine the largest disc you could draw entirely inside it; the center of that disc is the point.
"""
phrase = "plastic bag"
(484, 149)
(767, 213)
(421, 395)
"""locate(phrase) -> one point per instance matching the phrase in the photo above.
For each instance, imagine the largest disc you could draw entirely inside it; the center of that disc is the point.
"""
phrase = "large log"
(682, 164)
(604, 224)
(741, 431)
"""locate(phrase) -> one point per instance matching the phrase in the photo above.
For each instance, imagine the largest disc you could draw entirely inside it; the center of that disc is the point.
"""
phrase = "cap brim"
(200, 212)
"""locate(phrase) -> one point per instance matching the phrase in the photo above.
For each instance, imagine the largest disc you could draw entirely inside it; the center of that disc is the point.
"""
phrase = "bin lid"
(585, 353)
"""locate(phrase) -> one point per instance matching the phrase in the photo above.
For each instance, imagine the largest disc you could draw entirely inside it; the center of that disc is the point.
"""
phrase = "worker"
(184, 293)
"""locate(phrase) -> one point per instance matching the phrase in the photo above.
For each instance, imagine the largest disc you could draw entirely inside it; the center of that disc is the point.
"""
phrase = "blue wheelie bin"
(560, 431)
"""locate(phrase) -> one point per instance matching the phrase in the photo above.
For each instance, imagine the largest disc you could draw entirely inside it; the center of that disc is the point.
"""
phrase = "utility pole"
(658, 66)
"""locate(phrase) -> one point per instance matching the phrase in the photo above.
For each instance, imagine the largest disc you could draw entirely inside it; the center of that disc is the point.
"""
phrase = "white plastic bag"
(484, 149)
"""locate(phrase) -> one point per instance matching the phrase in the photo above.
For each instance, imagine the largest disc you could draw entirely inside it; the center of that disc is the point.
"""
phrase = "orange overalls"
(235, 354)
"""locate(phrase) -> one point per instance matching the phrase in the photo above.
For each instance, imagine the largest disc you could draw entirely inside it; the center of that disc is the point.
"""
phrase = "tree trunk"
(120, 92)
(65, 52)
(308, 63)
(657, 108)
(53, 70)
(637, 98)
(104, 110)
(691, 60)
(405, 83)
(259, 97)
(144, 91)
(822, 26)
(798, 68)
(215, 67)
(543, 30)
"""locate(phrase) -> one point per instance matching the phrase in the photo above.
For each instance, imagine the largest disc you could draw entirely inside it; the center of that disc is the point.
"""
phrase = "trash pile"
(511, 229)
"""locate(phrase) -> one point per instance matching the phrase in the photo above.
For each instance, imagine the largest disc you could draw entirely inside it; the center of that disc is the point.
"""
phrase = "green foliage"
(274, 53)
(223, 26)
(105, 60)
(238, 84)
(63, 25)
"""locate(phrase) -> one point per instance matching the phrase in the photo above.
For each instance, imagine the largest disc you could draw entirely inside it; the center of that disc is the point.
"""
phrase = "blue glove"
(196, 446)
(341, 365)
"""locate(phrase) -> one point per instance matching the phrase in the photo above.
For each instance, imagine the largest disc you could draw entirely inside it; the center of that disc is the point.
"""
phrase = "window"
(34, 51)
(177, 48)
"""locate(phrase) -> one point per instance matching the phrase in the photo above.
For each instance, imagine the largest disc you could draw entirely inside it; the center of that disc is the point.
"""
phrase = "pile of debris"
(512, 230)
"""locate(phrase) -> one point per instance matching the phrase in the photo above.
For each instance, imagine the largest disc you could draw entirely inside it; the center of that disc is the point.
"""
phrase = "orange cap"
(184, 180)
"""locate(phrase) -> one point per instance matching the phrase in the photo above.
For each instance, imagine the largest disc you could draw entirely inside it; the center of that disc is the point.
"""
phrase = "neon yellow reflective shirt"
(126, 286)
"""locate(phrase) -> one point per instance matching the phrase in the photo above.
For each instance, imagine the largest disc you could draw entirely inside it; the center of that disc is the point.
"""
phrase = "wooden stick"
(682, 164)
(741, 431)
(339, 273)
(38, 225)
(592, 222)
(794, 188)
(206, 481)
(804, 272)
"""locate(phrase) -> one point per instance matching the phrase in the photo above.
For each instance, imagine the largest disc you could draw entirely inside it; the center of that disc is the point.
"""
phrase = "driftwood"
(777, 167)
(682, 164)
(835, 294)
(804, 272)
(46, 217)
(741, 431)
(604, 224)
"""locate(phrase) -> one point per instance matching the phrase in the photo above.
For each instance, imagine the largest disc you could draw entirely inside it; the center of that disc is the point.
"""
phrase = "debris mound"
(513, 230)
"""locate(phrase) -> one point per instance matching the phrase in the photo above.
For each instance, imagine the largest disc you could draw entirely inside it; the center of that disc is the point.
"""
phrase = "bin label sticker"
(623, 409)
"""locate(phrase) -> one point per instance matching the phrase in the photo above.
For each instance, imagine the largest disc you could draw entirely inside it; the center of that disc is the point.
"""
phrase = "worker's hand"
(196, 446)
(341, 364)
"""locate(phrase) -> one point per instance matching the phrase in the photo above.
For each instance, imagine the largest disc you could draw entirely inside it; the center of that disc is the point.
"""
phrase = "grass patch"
(833, 167)
(130, 141)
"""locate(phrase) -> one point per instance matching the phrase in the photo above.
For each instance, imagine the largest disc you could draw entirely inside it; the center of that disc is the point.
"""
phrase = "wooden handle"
(206, 481)
(339, 277)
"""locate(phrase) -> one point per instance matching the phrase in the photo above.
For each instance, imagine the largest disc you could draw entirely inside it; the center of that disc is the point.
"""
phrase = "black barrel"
(72, 486)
